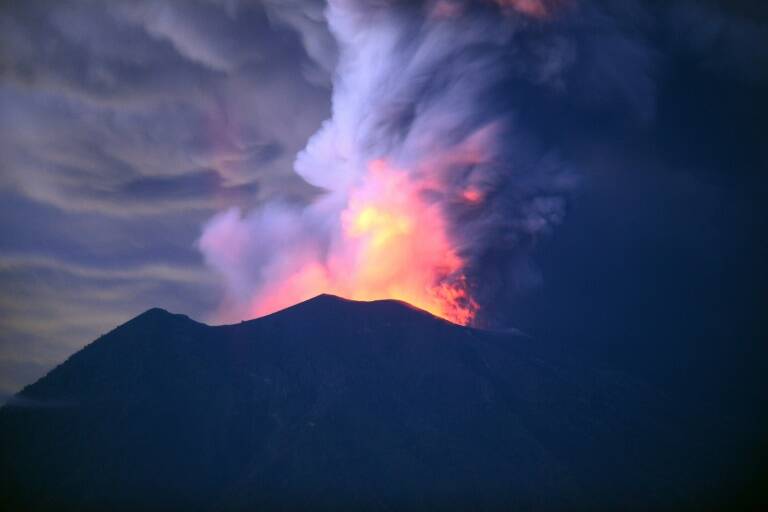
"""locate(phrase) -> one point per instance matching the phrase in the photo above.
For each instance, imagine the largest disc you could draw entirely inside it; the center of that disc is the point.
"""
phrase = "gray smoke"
(432, 91)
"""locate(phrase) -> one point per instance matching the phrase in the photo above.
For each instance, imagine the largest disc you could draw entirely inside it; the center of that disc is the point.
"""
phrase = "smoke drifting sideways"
(425, 174)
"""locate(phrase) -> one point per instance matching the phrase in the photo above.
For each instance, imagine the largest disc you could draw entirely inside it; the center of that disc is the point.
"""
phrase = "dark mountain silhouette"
(335, 404)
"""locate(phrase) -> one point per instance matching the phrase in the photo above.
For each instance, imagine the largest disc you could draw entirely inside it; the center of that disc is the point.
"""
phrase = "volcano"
(336, 405)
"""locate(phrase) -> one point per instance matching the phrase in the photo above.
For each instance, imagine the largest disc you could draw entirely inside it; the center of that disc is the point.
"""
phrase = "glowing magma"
(393, 244)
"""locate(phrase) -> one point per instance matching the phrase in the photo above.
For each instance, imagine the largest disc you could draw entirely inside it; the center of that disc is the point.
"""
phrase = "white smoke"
(420, 86)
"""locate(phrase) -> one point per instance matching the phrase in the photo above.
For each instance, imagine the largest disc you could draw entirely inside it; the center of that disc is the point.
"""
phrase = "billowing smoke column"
(423, 170)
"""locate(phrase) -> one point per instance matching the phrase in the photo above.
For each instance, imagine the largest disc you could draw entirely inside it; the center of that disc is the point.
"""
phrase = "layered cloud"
(98, 97)
(123, 126)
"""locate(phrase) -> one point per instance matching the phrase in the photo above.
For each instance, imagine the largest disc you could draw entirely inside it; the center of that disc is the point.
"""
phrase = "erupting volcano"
(393, 244)
(420, 174)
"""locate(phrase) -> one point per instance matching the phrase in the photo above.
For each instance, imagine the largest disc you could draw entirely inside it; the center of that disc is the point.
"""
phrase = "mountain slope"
(335, 404)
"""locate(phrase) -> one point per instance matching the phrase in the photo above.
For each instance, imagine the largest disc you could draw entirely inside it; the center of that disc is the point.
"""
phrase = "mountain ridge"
(334, 404)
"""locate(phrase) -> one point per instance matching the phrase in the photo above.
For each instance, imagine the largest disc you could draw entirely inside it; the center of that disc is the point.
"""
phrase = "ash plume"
(432, 191)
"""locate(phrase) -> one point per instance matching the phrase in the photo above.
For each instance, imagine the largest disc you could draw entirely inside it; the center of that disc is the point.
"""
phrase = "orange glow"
(472, 195)
(443, 9)
(533, 8)
(393, 245)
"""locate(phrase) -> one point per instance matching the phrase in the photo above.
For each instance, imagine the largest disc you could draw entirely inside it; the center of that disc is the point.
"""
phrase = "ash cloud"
(434, 90)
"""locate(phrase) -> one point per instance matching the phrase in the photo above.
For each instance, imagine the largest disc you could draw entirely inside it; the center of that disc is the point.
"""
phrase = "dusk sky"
(612, 154)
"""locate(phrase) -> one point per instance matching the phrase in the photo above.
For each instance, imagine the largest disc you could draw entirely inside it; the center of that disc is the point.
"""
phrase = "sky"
(625, 184)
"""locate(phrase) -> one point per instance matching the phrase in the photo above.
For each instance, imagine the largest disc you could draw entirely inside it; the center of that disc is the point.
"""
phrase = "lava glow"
(533, 8)
(472, 195)
(422, 175)
(393, 245)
